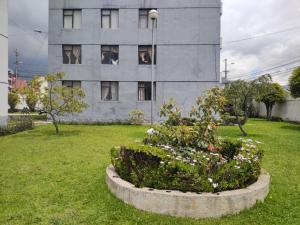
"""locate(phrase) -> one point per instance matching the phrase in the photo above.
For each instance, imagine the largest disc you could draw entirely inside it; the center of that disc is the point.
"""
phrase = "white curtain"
(114, 19)
(77, 19)
(68, 54)
(68, 22)
(114, 91)
(77, 54)
(105, 91)
(105, 22)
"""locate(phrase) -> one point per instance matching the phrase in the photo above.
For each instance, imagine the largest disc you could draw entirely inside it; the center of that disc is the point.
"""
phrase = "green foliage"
(32, 93)
(189, 158)
(239, 95)
(185, 170)
(269, 93)
(13, 99)
(16, 124)
(60, 100)
(294, 83)
(172, 112)
(207, 109)
(137, 117)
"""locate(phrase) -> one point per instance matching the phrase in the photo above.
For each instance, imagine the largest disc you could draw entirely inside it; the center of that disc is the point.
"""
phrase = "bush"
(190, 158)
(136, 117)
(17, 124)
(13, 100)
(186, 169)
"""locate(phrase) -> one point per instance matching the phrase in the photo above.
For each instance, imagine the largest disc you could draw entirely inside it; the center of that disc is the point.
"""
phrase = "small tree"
(240, 95)
(13, 99)
(32, 92)
(59, 100)
(137, 117)
(269, 93)
(172, 111)
(294, 83)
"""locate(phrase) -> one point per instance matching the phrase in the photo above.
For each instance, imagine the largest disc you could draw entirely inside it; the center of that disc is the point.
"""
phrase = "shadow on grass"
(293, 127)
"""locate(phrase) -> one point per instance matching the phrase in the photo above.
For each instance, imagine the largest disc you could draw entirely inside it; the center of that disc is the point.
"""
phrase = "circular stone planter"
(179, 204)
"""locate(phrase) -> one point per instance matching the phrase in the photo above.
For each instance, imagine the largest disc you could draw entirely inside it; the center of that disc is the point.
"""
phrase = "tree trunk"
(269, 107)
(55, 123)
(241, 126)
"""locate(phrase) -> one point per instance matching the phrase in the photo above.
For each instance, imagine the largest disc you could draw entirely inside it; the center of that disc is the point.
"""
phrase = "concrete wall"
(288, 111)
(3, 61)
(188, 52)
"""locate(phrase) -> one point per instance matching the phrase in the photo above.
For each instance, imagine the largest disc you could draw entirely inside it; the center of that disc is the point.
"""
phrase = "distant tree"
(239, 95)
(269, 93)
(32, 93)
(13, 99)
(294, 83)
(59, 100)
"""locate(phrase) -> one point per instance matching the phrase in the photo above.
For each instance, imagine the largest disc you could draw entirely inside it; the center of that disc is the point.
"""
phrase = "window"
(145, 54)
(71, 84)
(71, 54)
(110, 54)
(144, 20)
(144, 91)
(72, 19)
(109, 91)
(110, 18)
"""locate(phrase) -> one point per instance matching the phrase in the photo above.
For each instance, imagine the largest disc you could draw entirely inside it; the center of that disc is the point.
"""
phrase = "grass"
(49, 179)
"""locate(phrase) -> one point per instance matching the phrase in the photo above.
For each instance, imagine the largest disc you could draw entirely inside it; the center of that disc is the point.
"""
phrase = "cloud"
(242, 19)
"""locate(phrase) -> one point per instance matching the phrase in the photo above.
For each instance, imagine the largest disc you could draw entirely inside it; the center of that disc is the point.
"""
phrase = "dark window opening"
(110, 18)
(110, 54)
(71, 54)
(109, 91)
(145, 54)
(144, 91)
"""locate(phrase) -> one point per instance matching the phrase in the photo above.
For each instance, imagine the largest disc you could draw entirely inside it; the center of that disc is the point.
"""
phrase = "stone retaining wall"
(176, 203)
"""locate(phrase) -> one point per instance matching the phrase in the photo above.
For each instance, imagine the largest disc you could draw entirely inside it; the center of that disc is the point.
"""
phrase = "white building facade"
(104, 46)
(3, 61)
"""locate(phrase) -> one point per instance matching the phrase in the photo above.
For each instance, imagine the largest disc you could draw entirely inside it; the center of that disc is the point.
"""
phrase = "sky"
(259, 36)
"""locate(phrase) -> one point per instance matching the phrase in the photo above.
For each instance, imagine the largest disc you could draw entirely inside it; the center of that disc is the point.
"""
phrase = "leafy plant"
(16, 124)
(269, 93)
(32, 93)
(59, 100)
(137, 117)
(13, 99)
(294, 83)
(172, 112)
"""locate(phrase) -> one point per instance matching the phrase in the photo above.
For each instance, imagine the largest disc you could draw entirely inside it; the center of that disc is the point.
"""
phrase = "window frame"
(110, 51)
(150, 47)
(146, 10)
(154, 90)
(72, 83)
(72, 46)
(73, 14)
(110, 87)
(110, 17)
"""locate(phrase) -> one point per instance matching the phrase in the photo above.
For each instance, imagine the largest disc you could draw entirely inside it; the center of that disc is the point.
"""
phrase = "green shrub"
(187, 170)
(17, 124)
(137, 117)
(13, 100)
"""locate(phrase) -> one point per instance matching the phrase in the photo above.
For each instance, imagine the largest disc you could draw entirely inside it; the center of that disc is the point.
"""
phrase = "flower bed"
(190, 158)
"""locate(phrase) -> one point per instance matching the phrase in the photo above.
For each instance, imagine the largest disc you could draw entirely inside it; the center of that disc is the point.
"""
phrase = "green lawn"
(49, 179)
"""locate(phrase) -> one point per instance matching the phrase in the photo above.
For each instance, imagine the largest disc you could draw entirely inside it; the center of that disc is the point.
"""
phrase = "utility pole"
(17, 62)
(226, 71)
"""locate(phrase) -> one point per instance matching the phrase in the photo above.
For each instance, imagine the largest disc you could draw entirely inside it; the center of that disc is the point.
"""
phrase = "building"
(14, 82)
(3, 61)
(104, 46)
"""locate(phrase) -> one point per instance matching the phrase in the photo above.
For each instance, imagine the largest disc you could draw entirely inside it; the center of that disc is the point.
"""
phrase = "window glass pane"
(67, 83)
(68, 22)
(114, 19)
(68, 12)
(105, 22)
(114, 91)
(106, 12)
(145, 55)
(110, 55)
(76, 84)
(77, 19)
(67, 52)
(76, 55)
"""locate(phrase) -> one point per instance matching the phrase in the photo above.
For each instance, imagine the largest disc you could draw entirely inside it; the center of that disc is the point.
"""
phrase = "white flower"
(192, 164)
(210, 180)
(215, 185)
(151, 131)
(162, 163)
(194, 160)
